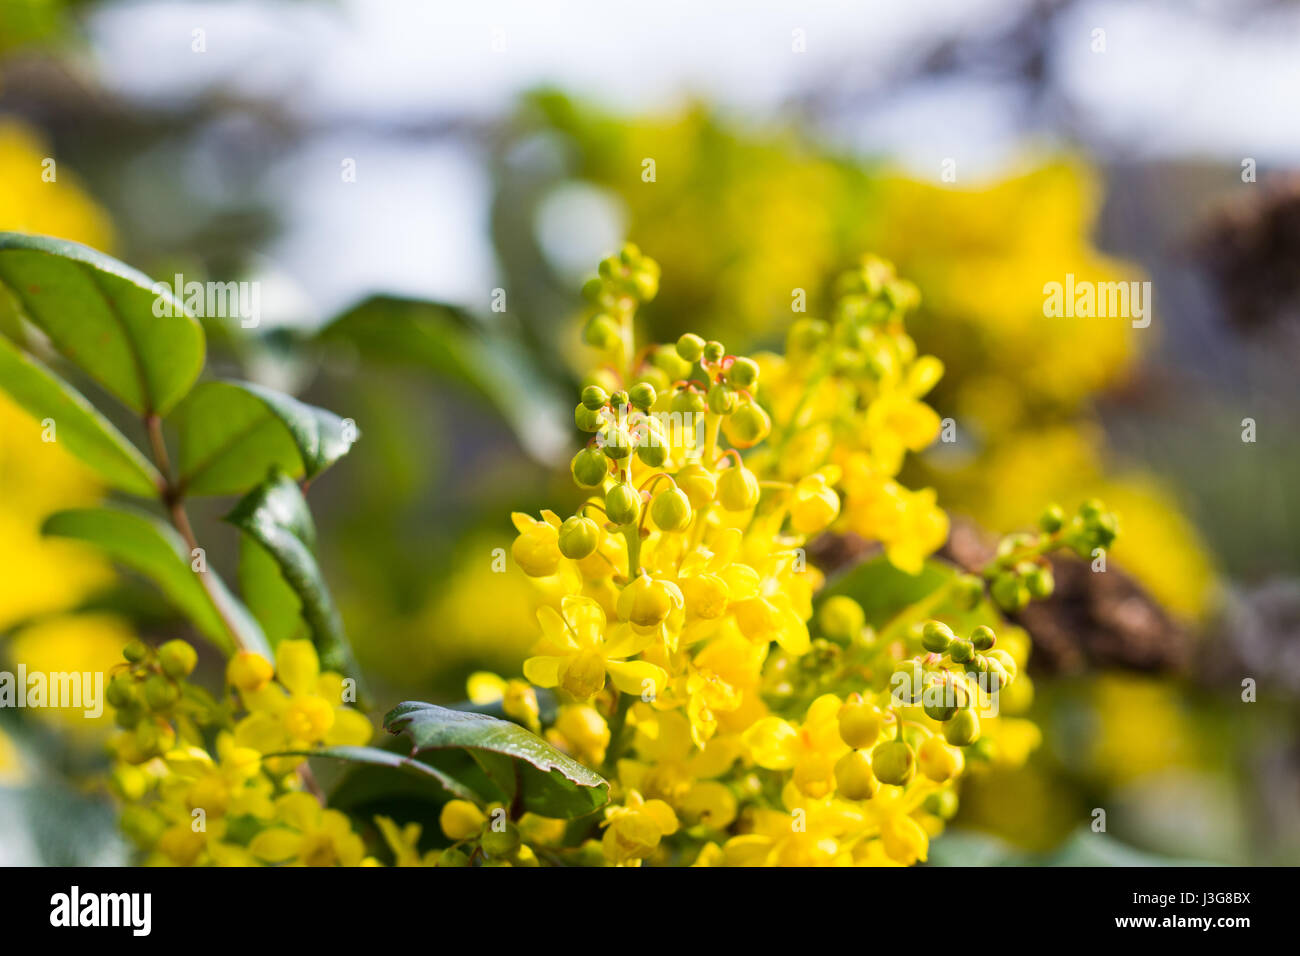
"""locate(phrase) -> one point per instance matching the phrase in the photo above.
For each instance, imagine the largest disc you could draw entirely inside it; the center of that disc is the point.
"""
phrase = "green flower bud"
(743, 373)
(1052, 518)
(453, 857)
(135, 651)
(594, 397)
(907, 682)
(688, 401)
(121, 691)
(1009, 592)
(671, 510)
(1091, 509)
(961, 651)
(698, 483)
(589, 419)
(1007, 662)
(589, 467)
(963, 730)
(998, 676)
(748, 425)
(936, 636)
(622, 504)
(939, 700)
(714, 352)
(646, 284)
(643, 396)
(616, 442)
(579, 537)
(893, 762)
(854, 778)
(653, 454)
(154, 737)
(1040, 583)
(602, 332)
(841, 618)
(128, 715)
(690, 346)
(160, 692)
(982, 638)
(738, 489)
(1106, 530)
(500, 842)
(860, 723)
(942, 803)
(721, 399)
(177, 659)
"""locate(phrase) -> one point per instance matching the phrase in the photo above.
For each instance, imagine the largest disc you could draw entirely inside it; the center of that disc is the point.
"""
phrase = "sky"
(1175, 79)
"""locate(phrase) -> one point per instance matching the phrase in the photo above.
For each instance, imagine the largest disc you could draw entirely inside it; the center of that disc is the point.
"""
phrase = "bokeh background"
(500, 145)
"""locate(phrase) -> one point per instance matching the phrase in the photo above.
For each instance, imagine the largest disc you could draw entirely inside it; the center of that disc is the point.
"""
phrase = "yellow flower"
(575, 655)
(582, 732)
(633, 830)
(814, 503)
(303, 709)
(908, 523)
(305, 834)
(537, 549)
(233, 784)
(404, 842)
(897, 424)
(810, 749)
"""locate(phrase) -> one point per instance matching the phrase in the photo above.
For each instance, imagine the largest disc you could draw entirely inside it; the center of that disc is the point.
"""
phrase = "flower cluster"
(210, 781)
(678, 631)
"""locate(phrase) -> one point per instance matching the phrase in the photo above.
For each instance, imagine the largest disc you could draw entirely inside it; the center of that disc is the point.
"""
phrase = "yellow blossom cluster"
(678, 632)
(209, 781)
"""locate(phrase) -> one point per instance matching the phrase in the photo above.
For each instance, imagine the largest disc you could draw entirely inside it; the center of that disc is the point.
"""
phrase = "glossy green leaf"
(276, 516)
(537, 777)
(103, 316)
(233, 433)
(267, 594)
(78, 426)
(373, 756)
(444, 342)
(149, 545)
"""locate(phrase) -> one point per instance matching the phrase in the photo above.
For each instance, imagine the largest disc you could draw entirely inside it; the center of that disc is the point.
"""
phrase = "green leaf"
(233, 433)
(149, 545)
(267, 594)
(100, 314)
(373, 756)
(276, 516)
(79, 427)
(444, 341)
(540, 778)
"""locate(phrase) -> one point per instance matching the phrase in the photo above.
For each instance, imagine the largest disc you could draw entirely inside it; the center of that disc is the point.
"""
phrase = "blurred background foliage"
(465, 411)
